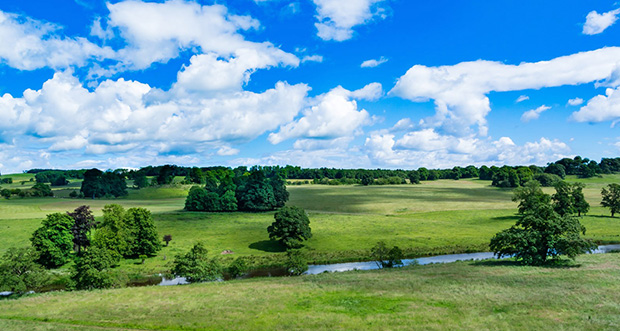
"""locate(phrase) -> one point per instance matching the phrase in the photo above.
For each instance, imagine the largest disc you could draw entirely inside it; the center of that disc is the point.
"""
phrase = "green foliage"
(166, 175)
(19, 271)
(367, 179)
(238, 268)
(99, 184)
(547, 180)
(611, 198)
(92, 269)
(41, 190)
(563, 200)
(530, 196)
(195, 176)
(196, 199)
(296, 263)
(255, 193)
(113, 233)
(83, 222)
(167, 239)
(6, 193)
(143, 233)
(196, 266)
(54, 240)
(580, 204)
(386, 257)
(291, 227)
(140, 180)
(540, 232)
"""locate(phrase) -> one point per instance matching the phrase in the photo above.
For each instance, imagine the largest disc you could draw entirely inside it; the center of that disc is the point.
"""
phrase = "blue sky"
(354, 84)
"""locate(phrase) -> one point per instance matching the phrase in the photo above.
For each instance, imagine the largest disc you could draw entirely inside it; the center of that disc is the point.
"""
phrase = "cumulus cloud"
(597, 23)
(601, 108)
(427, 148)
(373, 63)
(575, 101)
(533, 114)
(460, 91)
(330, 116)
(522, 98)
(336, 19)
(29, 44)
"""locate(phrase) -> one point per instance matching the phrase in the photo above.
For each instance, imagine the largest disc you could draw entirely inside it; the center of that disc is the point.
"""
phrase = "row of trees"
(252, 191)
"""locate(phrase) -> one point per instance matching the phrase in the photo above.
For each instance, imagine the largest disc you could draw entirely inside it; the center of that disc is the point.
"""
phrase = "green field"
(464, 295)
(437, 217)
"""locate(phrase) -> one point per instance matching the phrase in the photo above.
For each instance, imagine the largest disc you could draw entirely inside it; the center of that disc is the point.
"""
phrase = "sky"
(315, 83)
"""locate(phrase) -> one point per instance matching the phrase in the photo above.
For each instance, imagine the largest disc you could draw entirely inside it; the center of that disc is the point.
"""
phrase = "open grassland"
(437, 217)
(464, 295)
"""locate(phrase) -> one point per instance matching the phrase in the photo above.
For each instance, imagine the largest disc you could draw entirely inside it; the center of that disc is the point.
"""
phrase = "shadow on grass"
(269, 246)
(506, 218)
(602, 216)
(554, 264)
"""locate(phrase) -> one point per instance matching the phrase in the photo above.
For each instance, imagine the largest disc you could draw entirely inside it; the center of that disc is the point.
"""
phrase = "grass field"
(436, 217)
(464, 295)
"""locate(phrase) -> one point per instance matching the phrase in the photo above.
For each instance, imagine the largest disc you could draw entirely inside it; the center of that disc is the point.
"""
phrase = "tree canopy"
(291, 227)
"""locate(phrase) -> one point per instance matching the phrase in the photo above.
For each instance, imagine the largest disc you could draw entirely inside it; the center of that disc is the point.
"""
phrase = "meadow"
(489, 295)
(435, 217)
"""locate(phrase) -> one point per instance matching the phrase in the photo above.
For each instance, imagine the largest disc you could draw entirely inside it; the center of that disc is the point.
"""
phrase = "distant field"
(431, 218)
(464, 295)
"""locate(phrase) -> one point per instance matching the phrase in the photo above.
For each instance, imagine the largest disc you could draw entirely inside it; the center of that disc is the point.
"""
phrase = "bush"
(19, 272)
(92, 270)
(196, 266)
(296, 263)
(386, 257)
(238, 268)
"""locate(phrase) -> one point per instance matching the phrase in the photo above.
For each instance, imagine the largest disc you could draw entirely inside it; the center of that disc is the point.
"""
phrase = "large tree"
(291, 227)
(196, 266)
(611, 198)
(581, 205)
(19, 271)
(145, 239)
(541, 233)
(54, 240)
(529, 196)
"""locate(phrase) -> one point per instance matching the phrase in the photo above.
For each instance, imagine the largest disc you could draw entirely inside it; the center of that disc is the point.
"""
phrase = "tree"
(113, 233)
(92, 269)
(83, 222)
(563, 200)
(97, 184)
(367, 179)
(386, 257)
(19, 272)
(256, 194)
(530, 196)
(541, 233)
(611, 198)
(291, 227)
(140, 180)
(166, 175)
(167, 239)
(280, 194)
(54, 240)
(195, 176)
(238, 268)
(581, 205)
(414, 177)
(145, 240)
(41, 190)
(6, 193)
(196, 266)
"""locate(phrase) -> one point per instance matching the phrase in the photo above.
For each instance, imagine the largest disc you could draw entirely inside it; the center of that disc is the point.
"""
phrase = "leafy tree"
(83, 222)
(41, 190)
(140, 180)
(386, 257)
(547, 180)
(97, 184)
(196, 266)
(61, 180)
(556, 169)
(195, 176)
(196, 199)
(92, 269)
(541, 233)
(238, 268)
(580, 204)
(563, 200)
(611, 198)
(228, 201)
(166, 175)
(291, 227)
(529, 196)
(6, 193)
(113, 233)
(145, 240)
(73, 194)
(256, 194)
(296, 263)
(367, 179)
(280, 194)
(54, 240)
(19, 272)
(414, 177)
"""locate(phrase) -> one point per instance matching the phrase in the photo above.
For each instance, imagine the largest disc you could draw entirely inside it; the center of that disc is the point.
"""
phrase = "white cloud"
(597, 23)
(337, 18)
(575, 101)
(533, 114)
(29, 44)
(600, 108)
(373, 63)
(227, 151)
(427, 148)
(312, 58)
(522, 98)
(460, 91)
(330, 116)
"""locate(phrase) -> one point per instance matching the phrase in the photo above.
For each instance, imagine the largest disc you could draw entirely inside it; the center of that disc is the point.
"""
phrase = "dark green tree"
(140, 180)
(19, 271)
(196, 266)
(166, 175)
(83, 222)
(291, 227)
(563, 200)
(296, 263)
(255, 194)
(41, 190)
(540, 234)
(6, 193)
(113, 233)
(367, 179)
(195, 176)
(530, 196)
(611, 198)
(53, 240)
(581, 205)
(280, 194)
(414, 177)
(386, 257)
